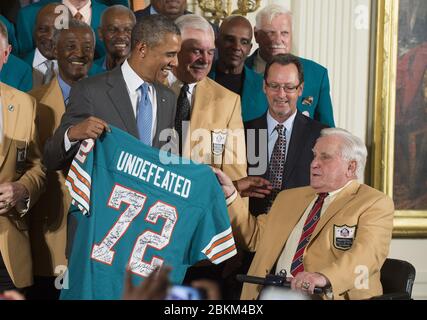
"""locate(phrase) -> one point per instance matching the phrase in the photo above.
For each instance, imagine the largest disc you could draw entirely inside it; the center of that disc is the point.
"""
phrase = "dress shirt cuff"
(23, 206)
(230, 199)
(67, 143)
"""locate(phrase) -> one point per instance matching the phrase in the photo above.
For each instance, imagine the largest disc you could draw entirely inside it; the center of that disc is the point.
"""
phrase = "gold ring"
(305, 285)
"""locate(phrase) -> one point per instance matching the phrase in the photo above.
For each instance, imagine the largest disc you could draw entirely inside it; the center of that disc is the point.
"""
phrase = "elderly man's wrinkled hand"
(256, 187)
(10, 194)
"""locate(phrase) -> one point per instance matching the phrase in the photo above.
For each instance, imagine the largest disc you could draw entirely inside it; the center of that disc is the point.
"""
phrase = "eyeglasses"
(277, 86)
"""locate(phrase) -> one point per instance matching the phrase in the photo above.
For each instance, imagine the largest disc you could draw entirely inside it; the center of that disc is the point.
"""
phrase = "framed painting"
(400, 112)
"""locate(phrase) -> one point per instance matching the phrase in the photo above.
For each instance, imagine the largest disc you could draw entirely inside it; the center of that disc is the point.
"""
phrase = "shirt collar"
(175, 84)
(132, 79)
(152, 10)
(38, 58)
(85, 10)
(65, 88)
(272, 123)
(332, 194)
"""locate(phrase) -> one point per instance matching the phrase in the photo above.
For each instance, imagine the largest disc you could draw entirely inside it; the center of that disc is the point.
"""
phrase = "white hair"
(352, 148)
(194, 21)
(269, 12)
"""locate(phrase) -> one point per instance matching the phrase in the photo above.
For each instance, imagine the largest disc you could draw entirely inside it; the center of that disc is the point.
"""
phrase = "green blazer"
(11, 34)
(315, 100)
(26, 21)
(16, 73)
(253, 99)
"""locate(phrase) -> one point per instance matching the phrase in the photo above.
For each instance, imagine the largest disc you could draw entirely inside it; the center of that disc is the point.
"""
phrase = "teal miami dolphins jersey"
(136, 208)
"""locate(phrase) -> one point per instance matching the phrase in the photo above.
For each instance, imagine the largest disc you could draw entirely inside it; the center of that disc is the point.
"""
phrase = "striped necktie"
(309, 226)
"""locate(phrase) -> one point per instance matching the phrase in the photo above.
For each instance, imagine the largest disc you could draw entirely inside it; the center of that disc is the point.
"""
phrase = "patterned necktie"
(50, 72)
(144, 115)
(309, 226)
(78, 16)
(277, 164)
(183, 111)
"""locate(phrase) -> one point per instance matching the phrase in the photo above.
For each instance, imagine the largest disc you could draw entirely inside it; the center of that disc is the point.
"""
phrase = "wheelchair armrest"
(393, 296)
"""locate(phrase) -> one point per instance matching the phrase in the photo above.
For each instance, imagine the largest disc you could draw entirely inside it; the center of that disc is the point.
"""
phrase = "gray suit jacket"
(105, 96)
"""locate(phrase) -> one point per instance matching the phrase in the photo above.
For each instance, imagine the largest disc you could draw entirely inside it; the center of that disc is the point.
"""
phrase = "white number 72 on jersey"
(103, 252)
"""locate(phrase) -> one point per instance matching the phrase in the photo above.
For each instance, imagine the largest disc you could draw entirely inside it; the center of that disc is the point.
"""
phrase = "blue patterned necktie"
(144, 115)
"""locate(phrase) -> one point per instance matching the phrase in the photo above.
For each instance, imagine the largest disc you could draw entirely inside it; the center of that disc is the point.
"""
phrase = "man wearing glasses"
(290, 134)
(273, 33)
(280, 141)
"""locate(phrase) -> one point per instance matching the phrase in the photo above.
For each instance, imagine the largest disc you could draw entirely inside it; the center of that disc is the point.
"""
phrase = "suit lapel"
(54, 92)
(285, 224)
(163, 112)
(119, 95)
(202, 101)
(298, 138)
(262, 125)
(340, 201)
(10, 112)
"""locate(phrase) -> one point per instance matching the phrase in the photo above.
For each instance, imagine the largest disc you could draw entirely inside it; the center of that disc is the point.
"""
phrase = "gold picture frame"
(408, 223)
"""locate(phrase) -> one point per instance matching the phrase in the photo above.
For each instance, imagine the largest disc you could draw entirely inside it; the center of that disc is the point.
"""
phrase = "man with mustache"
(273, 33)
(115, 31)
(234, 43)
(73, 49)
(42, 58)
(116, 97)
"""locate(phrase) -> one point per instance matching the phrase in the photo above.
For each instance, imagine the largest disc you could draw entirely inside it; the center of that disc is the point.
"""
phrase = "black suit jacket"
(297, 166)
(105, 96)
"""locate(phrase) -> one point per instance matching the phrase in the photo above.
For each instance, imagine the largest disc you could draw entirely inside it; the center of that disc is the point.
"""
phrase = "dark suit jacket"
(297, 166)
(105, 96)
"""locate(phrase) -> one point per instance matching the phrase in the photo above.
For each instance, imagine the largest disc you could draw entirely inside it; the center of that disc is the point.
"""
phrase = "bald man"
(115, 31)
(234, 44)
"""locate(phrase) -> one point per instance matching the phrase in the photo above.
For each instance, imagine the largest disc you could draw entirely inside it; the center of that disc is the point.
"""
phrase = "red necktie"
(309, 226)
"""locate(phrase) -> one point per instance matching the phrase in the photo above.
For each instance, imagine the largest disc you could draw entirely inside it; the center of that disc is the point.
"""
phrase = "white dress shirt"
(133, 82)
(175, 84)
(273, 134)
(288, 253)
(86, 10)
(39, 62)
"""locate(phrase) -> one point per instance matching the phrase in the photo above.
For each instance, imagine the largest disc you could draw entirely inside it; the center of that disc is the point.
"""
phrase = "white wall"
(414, 251)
